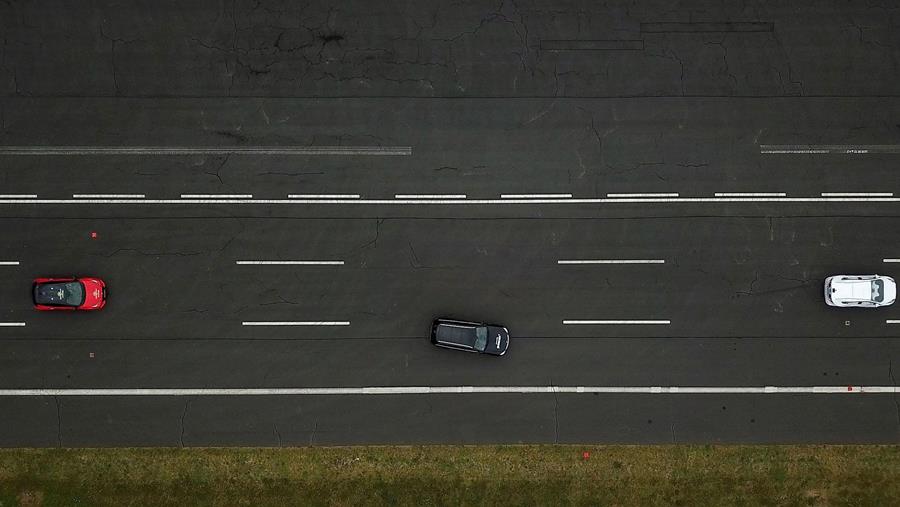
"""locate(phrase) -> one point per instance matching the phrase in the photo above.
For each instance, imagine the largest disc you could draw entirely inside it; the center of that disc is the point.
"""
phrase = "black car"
(470, 336)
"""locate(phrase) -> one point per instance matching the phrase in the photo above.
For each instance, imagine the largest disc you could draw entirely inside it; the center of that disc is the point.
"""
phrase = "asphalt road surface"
(282, 197)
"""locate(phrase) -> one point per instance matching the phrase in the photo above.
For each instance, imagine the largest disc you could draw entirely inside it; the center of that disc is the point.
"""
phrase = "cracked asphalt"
(493, 98)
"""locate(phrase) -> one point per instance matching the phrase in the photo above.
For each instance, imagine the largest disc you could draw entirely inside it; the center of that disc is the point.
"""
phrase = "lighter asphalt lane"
(282, 200)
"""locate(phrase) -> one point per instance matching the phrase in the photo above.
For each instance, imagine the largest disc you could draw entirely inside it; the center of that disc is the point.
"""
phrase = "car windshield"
(878, 291)
(59, 294)
(481, 334)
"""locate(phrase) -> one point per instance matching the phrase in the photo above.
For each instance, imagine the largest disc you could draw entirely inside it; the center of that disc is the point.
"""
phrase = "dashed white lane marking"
(108, 196)
(413, 390)
(12, 324)
(205, 150)
(616, 322)
(643, 195)
(892, 321)
(461, 200)
(290, 263)
(429, 196)
(856, 149)
(857, 194)
(18, 196)
(612, 261)
(9, 263)
(323, 196)
(890, 260)
(535, 196)
(217, 196)
(750, 194)
(298, 323)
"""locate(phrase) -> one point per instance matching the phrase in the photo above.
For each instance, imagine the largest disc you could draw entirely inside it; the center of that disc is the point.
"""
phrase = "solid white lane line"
(217, 196)
(535, 196)
(429, 196)
(892, 321)
(615, 322)
(297, 323)
(290, 263)
(12, 324)
(750, 194)
(414, 390)
(323, 196)
(829, 148)
(612, 261)
(205, 150)
(462, 201)
(18, 196)
(890, 260)
(643, 195)
(857, 194)
(9, 263)
(108, 196)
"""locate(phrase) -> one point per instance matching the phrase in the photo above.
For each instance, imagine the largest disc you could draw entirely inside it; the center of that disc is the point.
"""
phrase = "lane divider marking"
(429, 196)
(857, 194)
(612, 261)
(18, 196)
(535, 196)
(414, 390)
(12, 324)
(892, 321)
(297, 323)
(108, 196)
(858, 149)
(644, 195)
(9, 263)
(217, 196)
(750, 194)
(206, 150)
(289, 263)
(323, 196)
(616, 322)
(458, 200)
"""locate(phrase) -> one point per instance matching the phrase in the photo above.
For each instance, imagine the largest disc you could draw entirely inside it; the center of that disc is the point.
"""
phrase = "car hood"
(498, 340)
(93, 292)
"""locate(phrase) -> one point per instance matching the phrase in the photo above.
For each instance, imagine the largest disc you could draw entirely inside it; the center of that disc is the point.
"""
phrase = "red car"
(69, 293)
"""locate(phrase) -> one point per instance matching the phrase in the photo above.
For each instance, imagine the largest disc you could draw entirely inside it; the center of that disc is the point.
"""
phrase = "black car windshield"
(481, 334)
(878, 291)
(59, 294)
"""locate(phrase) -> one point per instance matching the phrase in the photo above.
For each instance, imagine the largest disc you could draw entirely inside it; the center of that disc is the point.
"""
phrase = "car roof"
(852, 290)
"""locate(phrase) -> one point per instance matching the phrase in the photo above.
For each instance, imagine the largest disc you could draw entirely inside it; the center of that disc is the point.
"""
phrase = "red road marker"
(93, 235)
(849, 388)
(585, 455)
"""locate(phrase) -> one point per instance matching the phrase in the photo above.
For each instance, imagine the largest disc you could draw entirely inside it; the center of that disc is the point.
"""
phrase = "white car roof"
(852, 290)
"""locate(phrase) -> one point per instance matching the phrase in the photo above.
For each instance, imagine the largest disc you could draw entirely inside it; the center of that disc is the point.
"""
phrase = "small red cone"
(585, 455)
(93, 235)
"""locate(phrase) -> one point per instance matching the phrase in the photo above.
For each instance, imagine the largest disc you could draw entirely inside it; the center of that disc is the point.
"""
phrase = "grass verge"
(455, 475)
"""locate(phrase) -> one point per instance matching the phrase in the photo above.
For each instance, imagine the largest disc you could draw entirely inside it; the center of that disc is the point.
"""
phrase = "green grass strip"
(454, 475)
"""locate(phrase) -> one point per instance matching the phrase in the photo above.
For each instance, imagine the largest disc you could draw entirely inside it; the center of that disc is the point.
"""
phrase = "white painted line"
(217, 196)
(890, 260)
(535, 196)
(108, 196)
(18, 196)
(12, 324)
(297, 323)
(857, 194)
(205, 150)
(642, 195)
(9, 263)
(853, 149)
(290, 263)
(429, 196)
(615, 322)
(323, 196)
(612, 261)
(418, 390)
(892, 321)
(440, 200)
(750, 194)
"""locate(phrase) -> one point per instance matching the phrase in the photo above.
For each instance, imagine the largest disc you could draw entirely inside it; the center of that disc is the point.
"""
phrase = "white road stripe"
(205, 150)
(217, 196)
(892, 321)
(642, 195)
(857, 194)
(890, 260)
(18, 196)
(612, 261)
(108, 196)
(750, 194)
(414, 390)
(854, 149)
(615, 322)
(297, 323)
(535, 196)
(9, 263)
(422, 200)
(429, 196)
(323, 196)
(12, 324)
(290, 263)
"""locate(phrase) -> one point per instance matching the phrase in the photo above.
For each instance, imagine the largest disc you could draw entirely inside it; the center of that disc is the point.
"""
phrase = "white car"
(861, 291)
